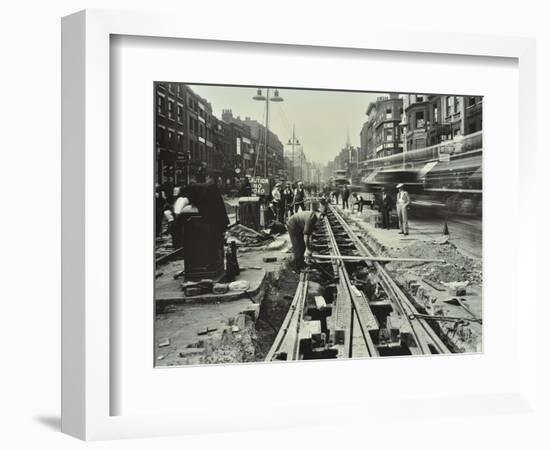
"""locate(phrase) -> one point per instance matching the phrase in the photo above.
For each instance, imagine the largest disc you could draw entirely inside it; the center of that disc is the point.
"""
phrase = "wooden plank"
(320, 302)
(359, 346)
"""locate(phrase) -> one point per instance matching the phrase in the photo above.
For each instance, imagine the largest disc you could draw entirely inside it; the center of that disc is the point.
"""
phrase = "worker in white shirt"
(402, 204)
(180, 202)
(277, 195)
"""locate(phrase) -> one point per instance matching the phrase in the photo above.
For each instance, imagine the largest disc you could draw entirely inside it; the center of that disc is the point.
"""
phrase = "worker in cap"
(288, 200)
(300, 227)
(402, 205)
(299, 197)
(277, 195)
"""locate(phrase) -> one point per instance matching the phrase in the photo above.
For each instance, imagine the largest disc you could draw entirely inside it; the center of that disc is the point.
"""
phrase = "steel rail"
(288, 337)
(422, 330)
(355, 299)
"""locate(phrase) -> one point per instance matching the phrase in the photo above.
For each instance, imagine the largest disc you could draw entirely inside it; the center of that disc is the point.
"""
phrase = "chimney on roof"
(227, 115)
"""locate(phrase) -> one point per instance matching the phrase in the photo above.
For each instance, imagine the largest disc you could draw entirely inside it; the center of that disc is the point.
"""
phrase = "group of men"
(346, 194)
(301, 225)
(288, 200)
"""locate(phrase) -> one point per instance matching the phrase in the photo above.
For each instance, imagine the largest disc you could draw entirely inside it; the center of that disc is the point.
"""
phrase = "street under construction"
(355, 299)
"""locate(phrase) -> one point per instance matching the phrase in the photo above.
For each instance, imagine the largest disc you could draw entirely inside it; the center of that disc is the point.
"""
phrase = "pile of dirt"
(457, 266)
(234, 347)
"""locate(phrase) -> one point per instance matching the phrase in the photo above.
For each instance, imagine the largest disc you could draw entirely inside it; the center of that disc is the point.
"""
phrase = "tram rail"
(363, 311)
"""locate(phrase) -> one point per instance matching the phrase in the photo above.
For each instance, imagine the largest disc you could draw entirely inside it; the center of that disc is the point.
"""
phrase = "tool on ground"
(206, 331)
(444, 318)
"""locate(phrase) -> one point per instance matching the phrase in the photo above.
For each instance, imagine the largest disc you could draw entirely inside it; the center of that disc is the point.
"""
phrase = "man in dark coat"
(300, 197)
(345, 197)
(386, 205)
(288, 200)
(246, 188)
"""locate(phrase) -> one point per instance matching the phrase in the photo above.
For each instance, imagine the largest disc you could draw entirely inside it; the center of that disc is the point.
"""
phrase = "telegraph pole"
(266, 132)
(267, 99)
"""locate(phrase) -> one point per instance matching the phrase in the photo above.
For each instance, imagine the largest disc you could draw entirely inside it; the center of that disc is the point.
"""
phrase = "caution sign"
(260, 186)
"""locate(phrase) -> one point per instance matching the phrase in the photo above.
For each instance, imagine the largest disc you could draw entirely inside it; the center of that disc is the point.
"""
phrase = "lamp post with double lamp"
(274, 98)
(293, 142)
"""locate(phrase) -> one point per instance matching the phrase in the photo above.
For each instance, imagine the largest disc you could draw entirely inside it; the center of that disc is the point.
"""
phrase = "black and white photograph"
(303, 224)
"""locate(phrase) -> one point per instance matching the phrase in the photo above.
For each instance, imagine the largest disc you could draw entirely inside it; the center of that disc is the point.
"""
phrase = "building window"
(456, 104)
(419, 98)
(180, 113)
(420, 121)
(471, 101)
(388, 134)
(161, 105)
(170, 139)
(435, 111)
(160, 136)
(388, 114)
(170, 109)
(170, 87)
(449, 105)
(180, 142)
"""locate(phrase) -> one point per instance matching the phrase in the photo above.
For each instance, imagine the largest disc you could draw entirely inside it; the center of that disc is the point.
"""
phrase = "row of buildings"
(298, 167)
(400, 123)
(192, 143)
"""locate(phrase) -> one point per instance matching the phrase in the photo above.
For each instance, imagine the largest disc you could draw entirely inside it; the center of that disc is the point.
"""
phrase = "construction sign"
(260, 186)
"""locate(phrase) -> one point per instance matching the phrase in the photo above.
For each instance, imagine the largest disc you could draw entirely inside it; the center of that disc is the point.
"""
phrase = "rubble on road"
(457, 267)
(246, 236)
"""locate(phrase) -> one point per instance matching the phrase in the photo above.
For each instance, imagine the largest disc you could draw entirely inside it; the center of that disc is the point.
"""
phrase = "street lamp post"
(293, 142)
(274, 98)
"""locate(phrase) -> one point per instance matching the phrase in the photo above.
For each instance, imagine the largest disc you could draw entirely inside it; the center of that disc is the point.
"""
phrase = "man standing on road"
(288, 200)
(385, 208)
(300, 228)
(357, 200)
(299, 197)
(345, 197)
(277, 194)
(402, 205)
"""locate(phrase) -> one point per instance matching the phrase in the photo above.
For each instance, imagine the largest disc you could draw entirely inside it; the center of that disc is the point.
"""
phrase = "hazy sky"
(322, 118)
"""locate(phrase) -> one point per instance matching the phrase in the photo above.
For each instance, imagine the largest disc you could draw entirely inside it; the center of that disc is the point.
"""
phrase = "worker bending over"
(300, 228)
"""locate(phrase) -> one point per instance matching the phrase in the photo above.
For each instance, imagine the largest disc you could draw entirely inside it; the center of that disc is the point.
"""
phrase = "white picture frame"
(86, 254)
